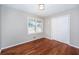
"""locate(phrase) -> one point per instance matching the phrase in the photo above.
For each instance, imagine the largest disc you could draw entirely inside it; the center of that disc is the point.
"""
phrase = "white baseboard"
(35, 39)
(69, 44)
(16, 44)
(48, 38)
(12, 45)
(64, 42)
(74, 46)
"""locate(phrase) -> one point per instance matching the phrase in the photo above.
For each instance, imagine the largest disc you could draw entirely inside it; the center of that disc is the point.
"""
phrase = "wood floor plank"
(41, 46)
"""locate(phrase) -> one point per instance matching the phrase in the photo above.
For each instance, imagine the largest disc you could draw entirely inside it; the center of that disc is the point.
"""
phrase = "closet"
(60, 28)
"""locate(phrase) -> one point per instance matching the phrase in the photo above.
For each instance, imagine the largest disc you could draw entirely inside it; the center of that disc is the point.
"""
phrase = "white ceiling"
(49, 8)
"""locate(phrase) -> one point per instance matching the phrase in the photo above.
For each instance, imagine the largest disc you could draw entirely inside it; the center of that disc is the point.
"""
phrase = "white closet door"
(60, 28)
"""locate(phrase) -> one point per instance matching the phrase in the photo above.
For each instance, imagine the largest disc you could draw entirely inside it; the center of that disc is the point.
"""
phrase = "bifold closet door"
(60, 28)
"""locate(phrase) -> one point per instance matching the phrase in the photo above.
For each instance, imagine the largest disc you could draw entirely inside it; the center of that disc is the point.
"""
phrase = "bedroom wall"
(74, 28)
(0, 26)
(14, 30)
(47, 28)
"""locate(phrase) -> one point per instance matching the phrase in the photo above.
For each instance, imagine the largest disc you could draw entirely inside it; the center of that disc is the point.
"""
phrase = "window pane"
(34, 25)
(31, 26)
(38, 26)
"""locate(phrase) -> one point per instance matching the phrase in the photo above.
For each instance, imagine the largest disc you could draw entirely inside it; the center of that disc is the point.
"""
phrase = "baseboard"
(13, 45)
(74, 46)
(18, 44)
(36, 39)
(48, 38)
(66, 43)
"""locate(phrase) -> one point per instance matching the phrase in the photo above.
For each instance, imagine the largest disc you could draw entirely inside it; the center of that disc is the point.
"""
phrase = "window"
(34, 25)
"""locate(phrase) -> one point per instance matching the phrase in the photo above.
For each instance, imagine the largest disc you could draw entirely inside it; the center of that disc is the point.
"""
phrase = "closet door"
(60, 28)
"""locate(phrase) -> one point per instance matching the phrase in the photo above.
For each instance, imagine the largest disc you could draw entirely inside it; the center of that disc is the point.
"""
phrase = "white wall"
(75, 28)
(14, 30)
(60, 28)
(47, 28)
(74, 25)
(0, 26)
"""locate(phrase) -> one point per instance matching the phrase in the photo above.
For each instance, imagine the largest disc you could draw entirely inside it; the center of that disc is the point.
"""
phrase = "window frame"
(35, 19)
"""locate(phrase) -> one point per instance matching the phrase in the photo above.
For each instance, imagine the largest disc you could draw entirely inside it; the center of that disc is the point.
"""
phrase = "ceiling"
(48, 11)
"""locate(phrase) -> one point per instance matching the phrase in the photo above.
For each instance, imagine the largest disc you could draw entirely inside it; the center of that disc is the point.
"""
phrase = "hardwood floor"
(41, 46)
